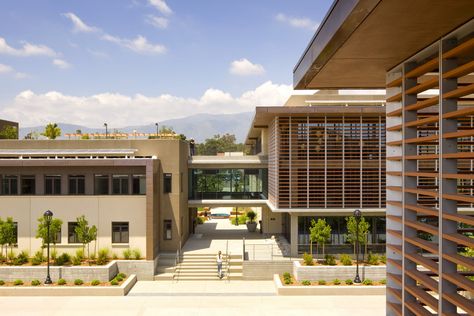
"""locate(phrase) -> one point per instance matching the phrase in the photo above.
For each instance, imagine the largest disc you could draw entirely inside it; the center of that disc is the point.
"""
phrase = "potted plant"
(251, 224)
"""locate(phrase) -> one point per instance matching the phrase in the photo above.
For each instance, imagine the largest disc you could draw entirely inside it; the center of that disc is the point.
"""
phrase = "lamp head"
(357, 213)
(48, 215)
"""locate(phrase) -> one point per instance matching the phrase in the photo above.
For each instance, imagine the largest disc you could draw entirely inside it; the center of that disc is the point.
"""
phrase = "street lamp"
(106, 131)
(156, 124)
(236, 216)
(48, 216)
(357, 215)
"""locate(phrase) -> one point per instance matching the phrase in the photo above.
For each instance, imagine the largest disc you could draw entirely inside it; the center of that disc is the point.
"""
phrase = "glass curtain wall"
(224, 184)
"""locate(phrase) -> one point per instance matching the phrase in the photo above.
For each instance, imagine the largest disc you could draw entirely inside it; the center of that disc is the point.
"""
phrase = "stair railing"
(177, 262)
(228, 267)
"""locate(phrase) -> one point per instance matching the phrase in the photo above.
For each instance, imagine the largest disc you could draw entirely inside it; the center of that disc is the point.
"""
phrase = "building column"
(294, 235)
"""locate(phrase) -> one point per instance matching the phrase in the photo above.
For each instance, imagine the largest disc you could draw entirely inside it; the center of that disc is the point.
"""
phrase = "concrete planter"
(121, 290)
(143, 269)
(341, 290)
(251, 226)
(329, 273)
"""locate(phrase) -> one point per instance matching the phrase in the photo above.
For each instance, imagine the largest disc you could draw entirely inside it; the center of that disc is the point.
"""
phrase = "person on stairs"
(219, 265)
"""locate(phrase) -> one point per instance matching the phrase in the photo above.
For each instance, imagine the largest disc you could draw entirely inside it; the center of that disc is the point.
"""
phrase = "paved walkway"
(219, 298)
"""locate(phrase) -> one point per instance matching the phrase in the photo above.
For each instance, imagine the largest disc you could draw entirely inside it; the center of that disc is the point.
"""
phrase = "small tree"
(9, 132)
(352, 229)
(319, 232)
(8, 232)
(3, 240)
(85, 234)
(52, 131)
(54, 230)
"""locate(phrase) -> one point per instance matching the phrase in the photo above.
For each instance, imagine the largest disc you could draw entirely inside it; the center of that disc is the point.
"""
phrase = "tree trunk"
(310, 247)
(323, 251)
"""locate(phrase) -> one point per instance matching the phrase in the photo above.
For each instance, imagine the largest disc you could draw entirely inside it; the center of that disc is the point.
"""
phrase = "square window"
(120, 233)
(101, 184)
(28, 185)
(71, 233)
(120, 184)
(10, 185)
(138, 184)
(52, 185)
(77, 185)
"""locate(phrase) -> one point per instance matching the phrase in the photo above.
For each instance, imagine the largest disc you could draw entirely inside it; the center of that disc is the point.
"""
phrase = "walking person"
(219, 265)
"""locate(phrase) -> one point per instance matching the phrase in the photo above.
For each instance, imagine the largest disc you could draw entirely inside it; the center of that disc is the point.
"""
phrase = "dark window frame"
(167, 226)
(71, 233)
(7, 183)
(77, 184)
(123, 230)
(123, 189)
(23, 185)
(96, 187)
(167, 183)
(136, 180)
(55, 190)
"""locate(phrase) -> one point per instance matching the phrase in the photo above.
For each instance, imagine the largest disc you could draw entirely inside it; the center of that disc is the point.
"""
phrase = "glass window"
(120, 184)
(52, 185)
(77, 185)
(101, 184)
(28, 185)
(10, 185)
(120, 232)
(71, 233)
(167, 183)
(138, 184)
(167, 229)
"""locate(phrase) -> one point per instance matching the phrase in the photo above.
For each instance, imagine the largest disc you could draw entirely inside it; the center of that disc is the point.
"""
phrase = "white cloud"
(139, 44)
(79, 25)
(161, 6)
(157, 21)
(26, 50)
(97, 53)
(62, 64)
(304, 23)
(244, 67)
(122, 110)
(9, 70)
(5, 69)
(21, 75)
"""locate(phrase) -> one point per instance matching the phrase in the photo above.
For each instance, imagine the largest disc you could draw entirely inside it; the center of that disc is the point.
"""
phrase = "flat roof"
(66, 152)
(360, 40)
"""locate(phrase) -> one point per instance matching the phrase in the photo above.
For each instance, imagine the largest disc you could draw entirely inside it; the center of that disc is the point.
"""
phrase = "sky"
(134, 62)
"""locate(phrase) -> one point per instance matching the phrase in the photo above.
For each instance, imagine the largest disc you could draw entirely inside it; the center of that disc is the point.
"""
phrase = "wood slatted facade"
(327, 161)
(430, 179)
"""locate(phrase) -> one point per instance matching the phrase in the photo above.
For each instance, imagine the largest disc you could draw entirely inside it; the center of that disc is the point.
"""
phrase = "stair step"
(163, 276)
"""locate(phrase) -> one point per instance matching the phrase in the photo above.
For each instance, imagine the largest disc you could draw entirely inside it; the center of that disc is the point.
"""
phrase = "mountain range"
(198, 126)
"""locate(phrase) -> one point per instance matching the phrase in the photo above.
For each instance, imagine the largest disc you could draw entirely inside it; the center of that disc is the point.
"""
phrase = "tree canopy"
(52, 131)
(319, 232)
(219, 144)
(352, 231)
(85, 234)
(9, 132)
(54, 230)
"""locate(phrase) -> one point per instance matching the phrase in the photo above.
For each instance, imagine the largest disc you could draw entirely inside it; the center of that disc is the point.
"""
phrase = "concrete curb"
(121, 290)
(327, 290)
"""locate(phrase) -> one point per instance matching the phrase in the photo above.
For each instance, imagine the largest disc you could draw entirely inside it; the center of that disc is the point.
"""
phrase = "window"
(10, 185)
(119, 184)
(167, 183)
(52, 185)
(138, 184)
(167, 229)
(71, 233)
(57, 238)
(77, 185)
(28, 185)
(101, 184)
(120, 232)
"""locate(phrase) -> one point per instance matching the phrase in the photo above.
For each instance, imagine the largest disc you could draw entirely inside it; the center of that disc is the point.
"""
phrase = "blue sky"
(138, 61)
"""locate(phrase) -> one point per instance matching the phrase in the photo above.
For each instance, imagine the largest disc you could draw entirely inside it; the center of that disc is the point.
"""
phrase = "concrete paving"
(197, 299)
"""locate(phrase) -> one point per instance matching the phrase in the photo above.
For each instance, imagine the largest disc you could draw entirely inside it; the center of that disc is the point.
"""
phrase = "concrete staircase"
(166, 266)
(203, 266)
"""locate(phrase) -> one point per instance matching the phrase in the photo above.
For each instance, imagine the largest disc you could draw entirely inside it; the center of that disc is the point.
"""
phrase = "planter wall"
(143, 269)
(264, 270)
(329, 273)
(342, 290)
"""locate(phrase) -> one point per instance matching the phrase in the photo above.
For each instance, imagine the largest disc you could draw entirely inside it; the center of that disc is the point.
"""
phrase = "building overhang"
(221, 162)
(227, 203)
(360, 40)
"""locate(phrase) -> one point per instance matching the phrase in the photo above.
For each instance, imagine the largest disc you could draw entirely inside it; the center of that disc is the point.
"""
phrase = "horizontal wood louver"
(430, 183)
(328, 161)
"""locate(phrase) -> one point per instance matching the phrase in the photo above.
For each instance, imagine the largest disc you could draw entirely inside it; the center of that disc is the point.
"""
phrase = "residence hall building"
(134, 191)
(422, 52)
(326, 158)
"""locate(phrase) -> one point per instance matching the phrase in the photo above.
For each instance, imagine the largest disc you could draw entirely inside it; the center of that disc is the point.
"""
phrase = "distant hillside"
(199, 126)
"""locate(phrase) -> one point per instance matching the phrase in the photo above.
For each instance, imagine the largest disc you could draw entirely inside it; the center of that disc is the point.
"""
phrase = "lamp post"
(106, 130)
(236, 216)
(357, 215)
(48, 215)
(156, 124)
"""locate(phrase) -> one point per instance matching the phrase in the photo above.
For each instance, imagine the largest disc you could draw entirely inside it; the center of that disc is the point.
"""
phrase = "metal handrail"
(228, 267)
(177, 261)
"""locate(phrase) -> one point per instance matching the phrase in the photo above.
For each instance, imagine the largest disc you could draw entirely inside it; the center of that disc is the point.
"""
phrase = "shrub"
(286, 275)
(137, 254)
(63, 259)
(2, 282)
(61, 282)
(336, 281)
(127, 253)
(367, 282)
(18, 282)
(383, 281)
(330, 260)
(287, 278)
(54, 254)
(76, 261)
(346, 260)
(114, 256)
(308, 259)
(103, 256)
(21, 259)
(242, 220)
(80, 254)
(306, 282)
(251, 215)
(35, 282)
(383, 259)
(92, 256)
(200, 220)
(119, 278)
(322, 282)
(114, 282)
(38, 258)
(122, 275)
(11, 256)
(78, 282)
(95, 282)
(349, 282)
(373, 259)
